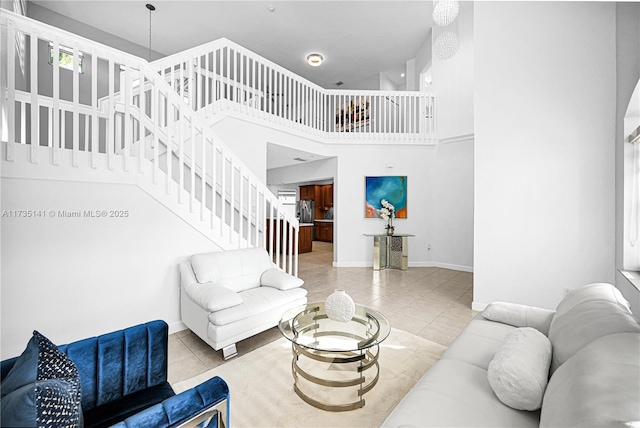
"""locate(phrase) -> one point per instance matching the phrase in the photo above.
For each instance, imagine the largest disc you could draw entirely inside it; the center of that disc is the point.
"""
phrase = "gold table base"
(364, 360)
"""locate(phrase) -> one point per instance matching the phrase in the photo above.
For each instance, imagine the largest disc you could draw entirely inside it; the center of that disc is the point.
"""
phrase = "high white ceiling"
(279, 156)
(359, 39)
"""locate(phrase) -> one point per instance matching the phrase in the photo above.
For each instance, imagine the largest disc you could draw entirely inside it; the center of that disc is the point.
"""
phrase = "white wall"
(386, 84)
(422, 60)
(42, 14)
(354, 164)
(440, 199)
(545, 103)
(452, 206)
(248, 142)
(72, 278)
(320, 170)
(453, 81)
(628, 73)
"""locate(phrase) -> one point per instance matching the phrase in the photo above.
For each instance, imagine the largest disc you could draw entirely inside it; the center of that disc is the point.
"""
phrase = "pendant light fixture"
(445, 36)
(446, 45)
(151, 9)
(445, 12)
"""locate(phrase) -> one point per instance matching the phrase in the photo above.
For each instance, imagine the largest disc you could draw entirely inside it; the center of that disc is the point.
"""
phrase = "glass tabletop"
(310, 327)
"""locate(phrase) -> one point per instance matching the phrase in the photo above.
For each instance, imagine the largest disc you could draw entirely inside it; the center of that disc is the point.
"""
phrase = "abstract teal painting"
(391, 188)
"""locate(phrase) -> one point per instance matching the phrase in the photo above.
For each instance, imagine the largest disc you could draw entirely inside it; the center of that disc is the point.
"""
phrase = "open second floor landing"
(68, 92)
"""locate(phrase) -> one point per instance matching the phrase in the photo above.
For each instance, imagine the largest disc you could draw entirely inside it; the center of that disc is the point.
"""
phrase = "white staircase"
(99, 125)
(116, 118)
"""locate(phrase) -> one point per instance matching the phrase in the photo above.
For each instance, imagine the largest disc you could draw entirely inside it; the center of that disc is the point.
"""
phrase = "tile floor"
(433, 303)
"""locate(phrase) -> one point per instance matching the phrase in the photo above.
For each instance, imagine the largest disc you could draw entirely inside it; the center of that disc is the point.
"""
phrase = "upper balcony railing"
(222, 75)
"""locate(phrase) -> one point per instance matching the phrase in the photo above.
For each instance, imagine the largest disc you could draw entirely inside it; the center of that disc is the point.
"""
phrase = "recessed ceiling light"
(402, 75)
(271, 9)
(314, 59)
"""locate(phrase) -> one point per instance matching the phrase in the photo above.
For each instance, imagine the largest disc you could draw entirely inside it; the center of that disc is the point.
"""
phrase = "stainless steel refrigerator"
(306, 211)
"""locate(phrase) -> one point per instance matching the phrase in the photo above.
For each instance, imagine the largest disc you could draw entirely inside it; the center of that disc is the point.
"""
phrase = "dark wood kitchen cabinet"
(305, 238)
(327, 196)
(307, 193)
(324, 231)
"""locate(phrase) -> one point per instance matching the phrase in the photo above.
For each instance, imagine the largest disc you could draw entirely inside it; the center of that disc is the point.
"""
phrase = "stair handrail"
(17, 27)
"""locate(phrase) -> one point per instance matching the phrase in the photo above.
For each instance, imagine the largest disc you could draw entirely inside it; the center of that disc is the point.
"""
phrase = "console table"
(390, 251)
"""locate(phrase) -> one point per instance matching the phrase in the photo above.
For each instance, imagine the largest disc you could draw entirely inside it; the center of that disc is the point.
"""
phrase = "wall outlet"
(566, 291)
(428, 247)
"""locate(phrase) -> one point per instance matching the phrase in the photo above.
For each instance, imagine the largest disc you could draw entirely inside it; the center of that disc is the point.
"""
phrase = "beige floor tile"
(426, 314)
(461, 311)
(451, 321)
(433, 303)
(195, 344)
(186, 369)
(177, 350)
(439, 334)
(386, 304)
(406, 323)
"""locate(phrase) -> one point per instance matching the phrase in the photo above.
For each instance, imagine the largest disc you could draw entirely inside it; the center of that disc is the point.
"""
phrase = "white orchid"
(387, 211)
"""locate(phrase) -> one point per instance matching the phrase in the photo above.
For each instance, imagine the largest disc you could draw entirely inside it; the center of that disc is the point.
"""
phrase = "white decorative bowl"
(340, 306)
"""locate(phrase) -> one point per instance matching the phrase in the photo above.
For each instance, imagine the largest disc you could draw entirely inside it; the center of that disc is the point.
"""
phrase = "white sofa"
(227, 296)
(593, 369)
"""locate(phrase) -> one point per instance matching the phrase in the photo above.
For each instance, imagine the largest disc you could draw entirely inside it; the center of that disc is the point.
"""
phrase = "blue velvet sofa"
(123, 377)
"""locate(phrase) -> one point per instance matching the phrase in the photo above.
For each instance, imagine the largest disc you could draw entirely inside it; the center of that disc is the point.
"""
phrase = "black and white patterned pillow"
(43, 384)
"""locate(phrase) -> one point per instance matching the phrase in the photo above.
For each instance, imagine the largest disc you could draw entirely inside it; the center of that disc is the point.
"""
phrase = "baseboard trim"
(177, 326)
(477, 306)
(453, 267)
(457, 138)
(411, 264)
(353, 264)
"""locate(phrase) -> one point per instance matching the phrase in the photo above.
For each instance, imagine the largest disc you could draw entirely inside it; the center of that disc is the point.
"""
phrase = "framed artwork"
(353, 114)
(391, 188)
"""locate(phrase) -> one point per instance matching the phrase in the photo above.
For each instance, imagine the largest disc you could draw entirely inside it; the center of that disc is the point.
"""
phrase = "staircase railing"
(115, 110)
(222, 75)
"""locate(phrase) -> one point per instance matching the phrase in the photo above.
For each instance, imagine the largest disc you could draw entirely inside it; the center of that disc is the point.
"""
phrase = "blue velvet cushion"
(43, 387)
(181, 408)
(117, 410)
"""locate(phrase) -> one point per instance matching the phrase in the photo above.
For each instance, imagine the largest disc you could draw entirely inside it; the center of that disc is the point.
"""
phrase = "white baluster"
(95, 127)
(11, 91)
(111, 117)
(192, 165)
(203, 176)
(35, 113)
(156, 116)
(180, 141)
(142, 107)
(223, 192)
(214, 181)
(56, 103)
(169, 155)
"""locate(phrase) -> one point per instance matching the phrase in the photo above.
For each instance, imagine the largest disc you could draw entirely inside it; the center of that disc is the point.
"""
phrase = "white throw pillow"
(520, 315)
(519, 371)
(279, 279)
(213, 297)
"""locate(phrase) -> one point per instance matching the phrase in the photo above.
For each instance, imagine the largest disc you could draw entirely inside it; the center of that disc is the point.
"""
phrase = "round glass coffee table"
(331, 358)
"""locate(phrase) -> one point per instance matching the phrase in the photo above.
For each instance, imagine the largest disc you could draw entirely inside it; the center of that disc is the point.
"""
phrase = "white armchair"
(227, 296)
